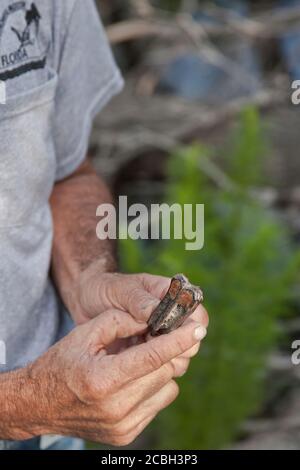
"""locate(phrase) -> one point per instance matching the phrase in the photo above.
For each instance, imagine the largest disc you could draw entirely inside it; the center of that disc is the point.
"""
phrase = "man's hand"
(109, 398)
(136, 294)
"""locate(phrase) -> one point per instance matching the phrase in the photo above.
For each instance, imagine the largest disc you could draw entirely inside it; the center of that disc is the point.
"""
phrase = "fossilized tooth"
(179, 303)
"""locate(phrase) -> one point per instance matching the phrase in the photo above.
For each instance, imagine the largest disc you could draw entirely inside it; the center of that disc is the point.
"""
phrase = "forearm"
(74, 202)
(21, 404)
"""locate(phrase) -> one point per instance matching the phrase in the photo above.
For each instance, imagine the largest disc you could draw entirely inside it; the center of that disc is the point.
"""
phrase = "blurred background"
(206, 117)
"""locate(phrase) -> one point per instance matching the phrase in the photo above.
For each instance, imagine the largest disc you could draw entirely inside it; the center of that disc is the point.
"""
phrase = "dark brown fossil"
(180, 302)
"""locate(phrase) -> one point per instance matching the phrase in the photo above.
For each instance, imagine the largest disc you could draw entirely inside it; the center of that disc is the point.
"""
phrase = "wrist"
(23, 414)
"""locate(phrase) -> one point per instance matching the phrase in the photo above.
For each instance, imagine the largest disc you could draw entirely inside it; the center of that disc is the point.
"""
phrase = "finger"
(146, 295)
(124, 439)
(200, 315)
(160, 400)
(157, 286)
(134, 393)
(144, 359)
(145, 298)
(139, 429)
(152, 406)
(191, 352)
(136, 421)
(133, 293)
(180, 366)
(110, 326)
(141, 304)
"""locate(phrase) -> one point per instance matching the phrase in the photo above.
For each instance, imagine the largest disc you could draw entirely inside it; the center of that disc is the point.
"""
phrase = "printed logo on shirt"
(20, 51)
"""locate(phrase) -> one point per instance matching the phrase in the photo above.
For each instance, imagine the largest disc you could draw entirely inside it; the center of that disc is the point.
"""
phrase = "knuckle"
(193, 351)
(181, 343)
(169, 370)
(81, 385)
(96, 389)
(114, 408)
(113, 415)
(95, 386)
(141, 277)
(92, 390)
(154, 358)
(180, 367)
(121, 430)
(174, 390)
(133, 297)
(121, 441)
(136, 293)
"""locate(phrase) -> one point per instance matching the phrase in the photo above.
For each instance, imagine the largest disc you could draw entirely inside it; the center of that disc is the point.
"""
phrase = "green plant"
(246, 269)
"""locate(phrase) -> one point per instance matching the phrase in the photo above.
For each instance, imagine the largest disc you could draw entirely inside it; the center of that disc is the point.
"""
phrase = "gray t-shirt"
(59, 71)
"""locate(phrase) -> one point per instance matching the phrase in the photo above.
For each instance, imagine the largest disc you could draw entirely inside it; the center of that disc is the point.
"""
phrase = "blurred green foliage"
(246, 269)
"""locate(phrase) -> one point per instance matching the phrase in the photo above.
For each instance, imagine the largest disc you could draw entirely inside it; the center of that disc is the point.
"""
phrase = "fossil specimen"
(181, 300)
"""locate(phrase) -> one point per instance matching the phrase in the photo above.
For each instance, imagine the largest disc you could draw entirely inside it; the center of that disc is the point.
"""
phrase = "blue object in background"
(190, 77)
(290, 43)
(193, 77)
(238, 6)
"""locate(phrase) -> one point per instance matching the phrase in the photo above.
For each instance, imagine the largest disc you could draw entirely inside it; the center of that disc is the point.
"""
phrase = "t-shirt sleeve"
(87, 78)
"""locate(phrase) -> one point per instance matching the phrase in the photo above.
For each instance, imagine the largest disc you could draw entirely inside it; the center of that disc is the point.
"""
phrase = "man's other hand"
(87, 391)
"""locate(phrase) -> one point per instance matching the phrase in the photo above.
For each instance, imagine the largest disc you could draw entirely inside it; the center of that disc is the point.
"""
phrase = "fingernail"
(200, 333)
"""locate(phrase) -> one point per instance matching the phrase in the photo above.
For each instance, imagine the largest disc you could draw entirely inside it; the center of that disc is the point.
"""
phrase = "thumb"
(143, 359)
(141, 305)
(142, 298)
